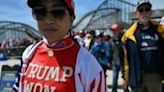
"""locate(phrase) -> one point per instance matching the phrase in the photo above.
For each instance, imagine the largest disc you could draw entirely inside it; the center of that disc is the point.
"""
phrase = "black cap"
(32, 3)
(141, 2)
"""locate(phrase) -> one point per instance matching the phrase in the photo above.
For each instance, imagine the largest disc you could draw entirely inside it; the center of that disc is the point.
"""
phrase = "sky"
(17, 10)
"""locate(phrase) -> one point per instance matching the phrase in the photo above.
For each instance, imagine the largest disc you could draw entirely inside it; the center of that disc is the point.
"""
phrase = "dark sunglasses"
(144, 9)
(40, 12)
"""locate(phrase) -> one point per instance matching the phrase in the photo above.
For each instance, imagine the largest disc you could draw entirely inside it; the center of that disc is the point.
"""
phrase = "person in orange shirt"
(57, 63)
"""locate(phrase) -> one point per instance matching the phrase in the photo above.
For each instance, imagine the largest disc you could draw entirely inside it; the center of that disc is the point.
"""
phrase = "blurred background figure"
(101, 50)
(89, 39)
(80, 37)
(116, 49)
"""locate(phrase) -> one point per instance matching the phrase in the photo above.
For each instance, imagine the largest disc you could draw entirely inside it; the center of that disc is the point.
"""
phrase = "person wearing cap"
(57, 63)
(101, 50)
(143, 53)
(117, 55)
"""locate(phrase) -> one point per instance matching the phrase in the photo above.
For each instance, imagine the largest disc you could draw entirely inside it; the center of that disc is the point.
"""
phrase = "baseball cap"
(115, 27)
(69, 4)
(141, 2)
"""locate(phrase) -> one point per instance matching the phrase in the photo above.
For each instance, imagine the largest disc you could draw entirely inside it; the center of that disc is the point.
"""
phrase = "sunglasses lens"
(39, 13)
(142, 10)
(59, 12)
(147, 9)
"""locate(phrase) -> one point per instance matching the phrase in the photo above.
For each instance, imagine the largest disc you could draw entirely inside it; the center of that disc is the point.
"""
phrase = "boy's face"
(54, 20)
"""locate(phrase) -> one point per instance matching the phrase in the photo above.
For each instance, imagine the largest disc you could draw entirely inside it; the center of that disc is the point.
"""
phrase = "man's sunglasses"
(58, 12)
(144, 9)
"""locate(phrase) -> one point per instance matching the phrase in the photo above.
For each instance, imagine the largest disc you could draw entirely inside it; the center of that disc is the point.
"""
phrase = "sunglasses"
(40, 12)
(144, 10)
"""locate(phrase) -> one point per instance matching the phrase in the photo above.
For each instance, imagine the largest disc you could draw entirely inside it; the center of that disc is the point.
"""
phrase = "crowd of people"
(107, 49)
(13, 48)
(12, 43)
